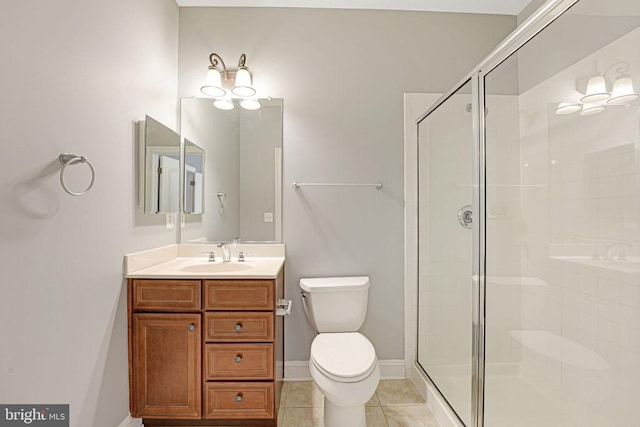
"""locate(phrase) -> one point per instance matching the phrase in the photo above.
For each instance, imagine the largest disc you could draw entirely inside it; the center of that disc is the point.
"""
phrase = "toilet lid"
(343, 356)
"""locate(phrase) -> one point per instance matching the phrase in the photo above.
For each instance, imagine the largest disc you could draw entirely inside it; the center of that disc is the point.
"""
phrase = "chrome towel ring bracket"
(67, 160)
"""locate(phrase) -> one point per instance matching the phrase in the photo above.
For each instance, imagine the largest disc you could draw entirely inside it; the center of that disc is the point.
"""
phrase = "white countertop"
(180, 268)
(181, 262)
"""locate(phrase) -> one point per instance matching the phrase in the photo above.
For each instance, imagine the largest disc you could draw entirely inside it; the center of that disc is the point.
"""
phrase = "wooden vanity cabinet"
(205, 352)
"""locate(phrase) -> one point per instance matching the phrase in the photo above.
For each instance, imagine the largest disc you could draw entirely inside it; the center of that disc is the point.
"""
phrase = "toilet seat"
(343, 356)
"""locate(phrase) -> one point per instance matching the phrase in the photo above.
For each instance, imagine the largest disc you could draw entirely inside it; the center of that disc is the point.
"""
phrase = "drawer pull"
(238, 327)
(239, 397)
(191, 327)
(239, 358)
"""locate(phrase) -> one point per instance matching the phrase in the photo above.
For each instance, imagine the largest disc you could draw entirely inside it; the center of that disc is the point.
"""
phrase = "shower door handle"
(465, 216)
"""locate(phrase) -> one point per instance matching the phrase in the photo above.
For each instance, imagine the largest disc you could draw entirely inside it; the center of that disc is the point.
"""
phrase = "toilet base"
(340, 416)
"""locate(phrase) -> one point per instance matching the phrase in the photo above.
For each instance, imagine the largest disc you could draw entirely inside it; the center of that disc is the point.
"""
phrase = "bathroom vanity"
(206, 340)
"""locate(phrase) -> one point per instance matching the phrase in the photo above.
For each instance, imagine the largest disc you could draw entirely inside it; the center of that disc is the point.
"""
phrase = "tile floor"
(396, 403)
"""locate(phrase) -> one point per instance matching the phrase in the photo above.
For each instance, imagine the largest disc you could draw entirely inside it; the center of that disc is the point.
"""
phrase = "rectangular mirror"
(242, 177)
(159, 167)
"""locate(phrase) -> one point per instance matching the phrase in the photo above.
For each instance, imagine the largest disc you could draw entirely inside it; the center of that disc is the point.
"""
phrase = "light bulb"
(223, 104)
(243, 84)
(623, 92)
(567, 108)
(596, 90)
(213, 84)
(250, 104)
(590, 109)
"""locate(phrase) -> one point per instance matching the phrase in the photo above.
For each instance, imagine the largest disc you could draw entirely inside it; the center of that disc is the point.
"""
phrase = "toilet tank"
(335, 304)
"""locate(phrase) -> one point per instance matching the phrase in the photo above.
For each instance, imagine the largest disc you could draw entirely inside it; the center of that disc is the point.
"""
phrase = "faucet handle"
(212, 255)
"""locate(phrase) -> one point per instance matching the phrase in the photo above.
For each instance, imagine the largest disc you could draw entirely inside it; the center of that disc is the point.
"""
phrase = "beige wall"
(342, 74)
(75, 77)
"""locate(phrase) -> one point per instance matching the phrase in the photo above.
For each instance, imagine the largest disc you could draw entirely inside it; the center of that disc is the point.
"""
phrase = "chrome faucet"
(608, 252)
(226, 253)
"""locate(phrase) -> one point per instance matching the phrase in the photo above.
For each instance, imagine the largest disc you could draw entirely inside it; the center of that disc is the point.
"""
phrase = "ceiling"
(501, 7)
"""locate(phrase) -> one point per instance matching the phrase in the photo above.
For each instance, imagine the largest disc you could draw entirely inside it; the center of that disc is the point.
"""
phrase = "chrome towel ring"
(72, 159)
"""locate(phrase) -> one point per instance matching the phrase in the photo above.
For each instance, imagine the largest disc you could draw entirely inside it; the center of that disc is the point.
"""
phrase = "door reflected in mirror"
(193, 178)
(160, 172)
(242, 175)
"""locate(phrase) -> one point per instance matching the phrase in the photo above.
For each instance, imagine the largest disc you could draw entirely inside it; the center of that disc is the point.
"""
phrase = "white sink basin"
(216, 267)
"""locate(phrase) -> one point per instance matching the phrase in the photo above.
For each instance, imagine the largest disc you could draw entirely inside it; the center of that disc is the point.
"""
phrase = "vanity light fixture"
(224, 84)
(597, 96)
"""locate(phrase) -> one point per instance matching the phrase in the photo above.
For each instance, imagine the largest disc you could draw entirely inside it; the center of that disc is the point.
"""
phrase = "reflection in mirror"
(161, 167)
(193, 178)
(243, 172)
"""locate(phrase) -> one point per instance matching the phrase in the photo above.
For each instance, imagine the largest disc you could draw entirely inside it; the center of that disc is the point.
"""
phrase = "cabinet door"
(167, 361)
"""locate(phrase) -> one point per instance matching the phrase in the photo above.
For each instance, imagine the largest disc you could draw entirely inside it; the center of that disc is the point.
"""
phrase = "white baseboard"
(439, 408)
(298, 370)
(130, 422)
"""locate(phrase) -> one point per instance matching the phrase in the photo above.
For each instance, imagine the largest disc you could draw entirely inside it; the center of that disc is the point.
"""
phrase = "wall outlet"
(268, 217)
(170, 222)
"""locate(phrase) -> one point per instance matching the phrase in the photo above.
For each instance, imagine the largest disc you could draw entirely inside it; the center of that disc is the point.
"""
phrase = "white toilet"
(343, 362)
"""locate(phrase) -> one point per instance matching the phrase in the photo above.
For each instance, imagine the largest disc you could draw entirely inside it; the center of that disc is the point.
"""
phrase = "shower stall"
(529, 226)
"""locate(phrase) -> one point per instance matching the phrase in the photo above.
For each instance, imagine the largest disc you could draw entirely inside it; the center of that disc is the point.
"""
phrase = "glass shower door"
(445, 221)
(563, 224)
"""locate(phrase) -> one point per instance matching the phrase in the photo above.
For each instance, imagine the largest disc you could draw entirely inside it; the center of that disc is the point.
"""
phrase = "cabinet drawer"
(239, 400)
(238, 361)
(239, 295)
(167, 295)
(239, 326)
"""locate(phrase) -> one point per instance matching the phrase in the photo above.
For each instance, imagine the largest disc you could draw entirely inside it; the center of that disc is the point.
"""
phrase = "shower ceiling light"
(220, 81)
